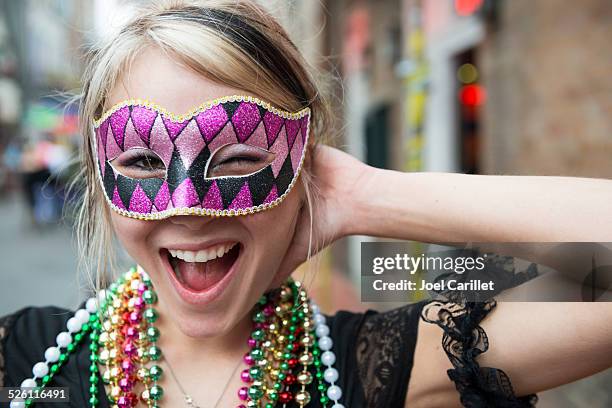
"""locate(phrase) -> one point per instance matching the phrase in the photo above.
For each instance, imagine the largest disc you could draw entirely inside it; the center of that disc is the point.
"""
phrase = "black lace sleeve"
(385, 351)
(463, 341)
(379, 347)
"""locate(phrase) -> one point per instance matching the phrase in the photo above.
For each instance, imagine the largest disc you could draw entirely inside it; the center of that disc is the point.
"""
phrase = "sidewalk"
(38, 266)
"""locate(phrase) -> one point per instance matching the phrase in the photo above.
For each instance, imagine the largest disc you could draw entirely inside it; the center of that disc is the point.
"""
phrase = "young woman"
(218, 204)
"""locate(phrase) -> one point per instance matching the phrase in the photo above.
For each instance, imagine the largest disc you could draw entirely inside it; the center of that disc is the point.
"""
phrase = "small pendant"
(190, 403)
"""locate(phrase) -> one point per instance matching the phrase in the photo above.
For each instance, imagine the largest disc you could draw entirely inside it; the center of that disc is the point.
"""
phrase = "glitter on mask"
(272, 196)
(225, 137)
(189, 143)
(118, 122)
(213, 198)
(304, 128)
(117, 200)
(273, 124)
(173, 128)
(186, 144)
(163, 197)
(139, 201)
(112, 148)
(132, 139)
(258, 138)
(243, 199)
(101, 154)
(245, 119)
(296, 152)
(102, 132)
(143, 120)
(185, 195)
(281, 150)
(292, 127)
(211, 121)
(160, 142)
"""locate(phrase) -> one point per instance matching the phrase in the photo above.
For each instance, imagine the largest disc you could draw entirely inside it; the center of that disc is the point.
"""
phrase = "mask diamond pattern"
(185, 146)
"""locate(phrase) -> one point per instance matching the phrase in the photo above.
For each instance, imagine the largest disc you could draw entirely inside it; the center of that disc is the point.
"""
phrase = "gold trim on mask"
(201, 108)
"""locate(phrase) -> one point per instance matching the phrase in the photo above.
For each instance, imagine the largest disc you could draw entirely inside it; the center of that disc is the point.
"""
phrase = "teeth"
(188, 256)
(203, 255)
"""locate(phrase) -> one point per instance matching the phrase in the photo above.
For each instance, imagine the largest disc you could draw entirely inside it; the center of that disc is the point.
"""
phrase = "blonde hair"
(236, 43)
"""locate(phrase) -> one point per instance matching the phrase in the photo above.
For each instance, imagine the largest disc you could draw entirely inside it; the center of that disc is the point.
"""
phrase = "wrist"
(364, 208)
(382, 206)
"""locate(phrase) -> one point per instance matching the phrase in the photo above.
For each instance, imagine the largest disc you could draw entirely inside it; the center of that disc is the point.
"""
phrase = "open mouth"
(201, 270)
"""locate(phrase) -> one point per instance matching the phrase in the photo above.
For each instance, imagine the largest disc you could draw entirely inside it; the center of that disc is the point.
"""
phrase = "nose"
(192, 222)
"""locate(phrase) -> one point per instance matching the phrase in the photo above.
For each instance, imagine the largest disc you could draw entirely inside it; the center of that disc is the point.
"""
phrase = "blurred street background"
(470, 86)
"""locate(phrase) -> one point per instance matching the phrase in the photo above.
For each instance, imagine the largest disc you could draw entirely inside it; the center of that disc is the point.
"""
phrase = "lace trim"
(385, 344)
(5, 323)
(377, 355)
(498, 268)
(463, 341)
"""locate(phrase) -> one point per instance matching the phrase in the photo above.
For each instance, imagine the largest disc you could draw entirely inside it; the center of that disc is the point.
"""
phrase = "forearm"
(447, 207)
(538, 345)
(544, 345)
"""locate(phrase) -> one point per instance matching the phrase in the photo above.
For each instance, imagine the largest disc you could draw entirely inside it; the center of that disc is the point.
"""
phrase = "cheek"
(272, 232)
(133, 235)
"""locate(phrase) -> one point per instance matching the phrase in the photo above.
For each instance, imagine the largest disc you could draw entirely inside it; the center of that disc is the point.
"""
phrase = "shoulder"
(35, 324)
(24, 337)
(405, 317)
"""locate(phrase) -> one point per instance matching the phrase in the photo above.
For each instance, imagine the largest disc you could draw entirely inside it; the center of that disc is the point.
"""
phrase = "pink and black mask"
(232, 156)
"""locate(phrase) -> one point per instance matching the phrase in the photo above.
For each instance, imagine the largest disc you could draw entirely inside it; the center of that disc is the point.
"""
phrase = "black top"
(374, 351)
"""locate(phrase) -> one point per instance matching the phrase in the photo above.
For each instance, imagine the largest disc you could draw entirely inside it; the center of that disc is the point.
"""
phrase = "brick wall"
(547, 68)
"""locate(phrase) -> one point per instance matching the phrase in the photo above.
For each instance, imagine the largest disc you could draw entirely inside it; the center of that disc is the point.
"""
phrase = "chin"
(203, 325)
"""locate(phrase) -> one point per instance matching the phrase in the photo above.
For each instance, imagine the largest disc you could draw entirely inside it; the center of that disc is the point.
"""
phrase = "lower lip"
(207, 296)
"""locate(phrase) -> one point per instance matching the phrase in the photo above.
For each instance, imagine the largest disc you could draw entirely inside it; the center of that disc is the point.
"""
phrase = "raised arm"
(352, 198)
(446, 207)
(539, 345)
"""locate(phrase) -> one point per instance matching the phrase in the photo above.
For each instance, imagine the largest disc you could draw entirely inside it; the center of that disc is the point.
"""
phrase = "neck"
(178, 346)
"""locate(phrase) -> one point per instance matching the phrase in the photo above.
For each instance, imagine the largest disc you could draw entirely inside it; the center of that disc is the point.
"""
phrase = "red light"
(467, 7)
(472, 95)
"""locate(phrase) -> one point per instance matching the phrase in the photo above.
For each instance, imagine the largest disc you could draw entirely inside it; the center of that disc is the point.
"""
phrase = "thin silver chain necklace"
(189, 401)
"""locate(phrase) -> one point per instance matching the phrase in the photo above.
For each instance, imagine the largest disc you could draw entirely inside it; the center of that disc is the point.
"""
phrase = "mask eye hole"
(238, 160)
(140, 163)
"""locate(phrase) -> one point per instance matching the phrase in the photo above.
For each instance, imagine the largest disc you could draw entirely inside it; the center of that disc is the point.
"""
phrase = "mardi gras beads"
(283, 351)
(290, 340)
(126, 344)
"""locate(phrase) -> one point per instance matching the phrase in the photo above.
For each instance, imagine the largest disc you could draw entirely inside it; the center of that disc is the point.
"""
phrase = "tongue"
(199, 276)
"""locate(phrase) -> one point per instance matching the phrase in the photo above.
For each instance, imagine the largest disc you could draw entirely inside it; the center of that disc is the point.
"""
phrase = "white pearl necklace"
(52, 354)
(328, 358)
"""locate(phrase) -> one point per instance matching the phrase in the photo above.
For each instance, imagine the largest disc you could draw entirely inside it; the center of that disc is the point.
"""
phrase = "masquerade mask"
(231, 156)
